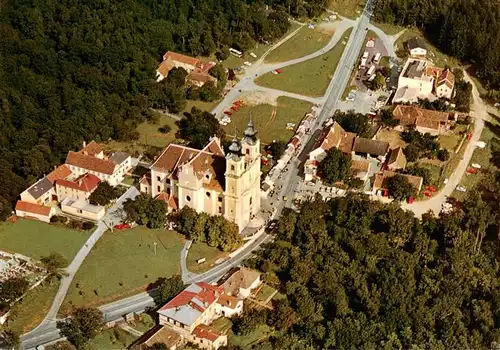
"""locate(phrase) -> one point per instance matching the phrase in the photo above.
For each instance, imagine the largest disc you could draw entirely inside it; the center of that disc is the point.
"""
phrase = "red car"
(122, 226)
(234, 108)
(228, 113)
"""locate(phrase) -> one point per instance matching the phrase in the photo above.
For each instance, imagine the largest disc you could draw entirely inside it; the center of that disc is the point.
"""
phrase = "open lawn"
(199, 251)
(347, 8)
(222, 324)
(123, 263)
(305, 42)
(112, 338)
(204, 106)
(149, 135)
(481, 156)
(248, 340)
(28, 313)
(145, 323)
(452, 139)
(433, 54)
(389, 29)
(36, 239)
(393, 137)
(265, 292)
(269, 125)
(309, 78)
(259, 49)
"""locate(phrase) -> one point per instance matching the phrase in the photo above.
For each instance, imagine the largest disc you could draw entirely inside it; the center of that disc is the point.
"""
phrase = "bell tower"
(235, 169)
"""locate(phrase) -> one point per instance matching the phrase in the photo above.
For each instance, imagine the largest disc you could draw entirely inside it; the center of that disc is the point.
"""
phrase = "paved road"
(480, 112)
(112, 218)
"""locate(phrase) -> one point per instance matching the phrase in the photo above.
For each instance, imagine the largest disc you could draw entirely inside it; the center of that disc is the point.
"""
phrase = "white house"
(34, 211)
(445, 84)
(416, 47)
(240, 282)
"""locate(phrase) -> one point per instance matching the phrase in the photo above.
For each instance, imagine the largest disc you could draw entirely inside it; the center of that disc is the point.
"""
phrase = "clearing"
(36, 239)
(31, 311)
(123, 263)
(482, 156)
(305, 42)
(270, 118)
(149, 135)
(201, 250)
(311, 77)
(393, 137)
(433, 54)
(204, 106)
(347, 8)
(452, 138)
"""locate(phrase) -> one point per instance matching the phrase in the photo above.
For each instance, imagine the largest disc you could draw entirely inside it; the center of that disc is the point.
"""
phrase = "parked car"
(122, 226)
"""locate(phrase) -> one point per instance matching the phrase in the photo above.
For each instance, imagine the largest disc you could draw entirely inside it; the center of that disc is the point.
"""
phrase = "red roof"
(208, 294)
(91, 149)
(61, 172)
(88, 162)
(206, 332)
(86, 183)
(174, 56)
(33, 208)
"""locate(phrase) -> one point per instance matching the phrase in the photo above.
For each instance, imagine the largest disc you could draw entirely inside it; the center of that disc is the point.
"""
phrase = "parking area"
(373, 57)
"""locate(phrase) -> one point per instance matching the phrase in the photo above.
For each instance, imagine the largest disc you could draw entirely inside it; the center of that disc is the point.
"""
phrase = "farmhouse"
(444, 84)
(424, 120)
(198, 71)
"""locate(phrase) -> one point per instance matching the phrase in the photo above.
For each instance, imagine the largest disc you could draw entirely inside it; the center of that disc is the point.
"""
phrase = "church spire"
(234, 148)
(250, 133)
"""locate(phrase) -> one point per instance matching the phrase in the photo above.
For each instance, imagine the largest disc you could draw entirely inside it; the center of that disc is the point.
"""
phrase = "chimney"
(84, 143)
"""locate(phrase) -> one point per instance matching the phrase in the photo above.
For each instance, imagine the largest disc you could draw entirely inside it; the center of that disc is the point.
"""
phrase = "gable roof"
(239, 277)
(202, 77)
(187, 306)
(87, 162)
(447, 78)
(119, 157)
(414, 116)
(33, 208)
(165, 67)
(210, 160)
(368, 146)
(40, 187)
(91, 149)
(397, 159)
(416, 42)
(178, 57)
(61, 172)
(169, 200)
(206, 332)
(159, 334)
(86, 183)
(333, 138)
(381, 178)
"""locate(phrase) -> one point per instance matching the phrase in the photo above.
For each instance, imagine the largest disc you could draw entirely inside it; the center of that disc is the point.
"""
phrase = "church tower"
(242, 196)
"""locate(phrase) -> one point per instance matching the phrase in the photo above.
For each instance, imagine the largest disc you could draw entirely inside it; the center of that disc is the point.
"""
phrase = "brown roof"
(206, 332)
(228, 301)
(381, 178)
(86, 183)
(146, 179)
(237, 278)
(91, 149)
(334, 137)
(163, 335)
(347, 142)
(210, 160)
(360, 165)
(165, 67)
(174, 56)
(368, 146)
(414, 116)
(33, 208)
(87, 162)
(170, 200)
(201, 77)
(397, 159)
(61, 172)
(447, 78)
(416, 42)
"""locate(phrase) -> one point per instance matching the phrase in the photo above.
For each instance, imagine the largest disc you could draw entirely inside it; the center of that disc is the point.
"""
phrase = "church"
(210, 180)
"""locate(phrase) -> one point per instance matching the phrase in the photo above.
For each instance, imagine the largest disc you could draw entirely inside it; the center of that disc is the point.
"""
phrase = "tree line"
(467, 30)
(75, 70)
(362, 274)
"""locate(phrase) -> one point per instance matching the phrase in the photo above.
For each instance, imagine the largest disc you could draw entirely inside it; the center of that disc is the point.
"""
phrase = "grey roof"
(41, 187)
(368, 146)
(82, 205)
(416, 42)
(119, 157)
(416, 69)
(185, 314)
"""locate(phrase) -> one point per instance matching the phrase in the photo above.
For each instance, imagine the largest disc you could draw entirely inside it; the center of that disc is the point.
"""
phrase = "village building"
(362, 151)
(209, 180)
(396, 160)
(240, 282)
(423, 120)
(198, 71)
(34, 211)
(416, 47)
(380, 182)
(91, 159)
(82, 208)
(444, 84)
(43, 191)
(79, 189)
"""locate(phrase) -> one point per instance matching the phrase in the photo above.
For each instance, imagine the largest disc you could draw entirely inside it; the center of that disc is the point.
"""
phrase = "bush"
(75, 224)
(88, 225)
(165, 129)
(58, 219)
(443, 155)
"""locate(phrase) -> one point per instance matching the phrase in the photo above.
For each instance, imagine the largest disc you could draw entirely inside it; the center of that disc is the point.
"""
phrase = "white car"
(475, 165)
(461, 189)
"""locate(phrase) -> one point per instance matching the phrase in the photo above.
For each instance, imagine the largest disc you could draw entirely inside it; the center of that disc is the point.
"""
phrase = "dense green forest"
(359, 274)
(84, 69)
(466, 29)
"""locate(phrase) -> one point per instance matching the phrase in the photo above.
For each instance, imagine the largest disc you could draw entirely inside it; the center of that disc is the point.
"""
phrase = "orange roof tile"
(32, 208)
(91, 149)
(228, 301)
(334, 137)
(86, 183)
(206, 332)
(414, 116)
(61, 172)
(87, 162)
(174, 56)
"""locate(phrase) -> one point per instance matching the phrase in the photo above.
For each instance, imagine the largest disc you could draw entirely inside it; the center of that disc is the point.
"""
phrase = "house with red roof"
(34, 211)
(198, 70)
(80, 188)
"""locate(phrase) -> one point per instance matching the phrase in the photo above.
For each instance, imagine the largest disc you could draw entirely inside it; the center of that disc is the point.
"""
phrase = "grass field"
(433, 54)
(481, 156)
(288, 110)
(199, 251)
(309, 78)
(451, 140)
(305, 42)
(389, 29)
(113, 338)
(36, 239)
(149, 135)
(248, 340)
(347, 8)
(204, 106)
(265, 292)
(28, 313)
(123, 263)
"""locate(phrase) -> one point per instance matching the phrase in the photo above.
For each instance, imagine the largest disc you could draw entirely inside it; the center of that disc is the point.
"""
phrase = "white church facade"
(209, 180)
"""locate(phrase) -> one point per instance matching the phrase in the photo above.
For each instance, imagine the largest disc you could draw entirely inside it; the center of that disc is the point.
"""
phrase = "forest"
(74, 70)
(360, 274)
(465, 29)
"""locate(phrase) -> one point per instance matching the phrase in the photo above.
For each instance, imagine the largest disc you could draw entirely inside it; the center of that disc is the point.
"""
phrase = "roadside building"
(445, 84)
(415, 81)
(380, 182)
(198, 70)
(240, 282)
(83, 209)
